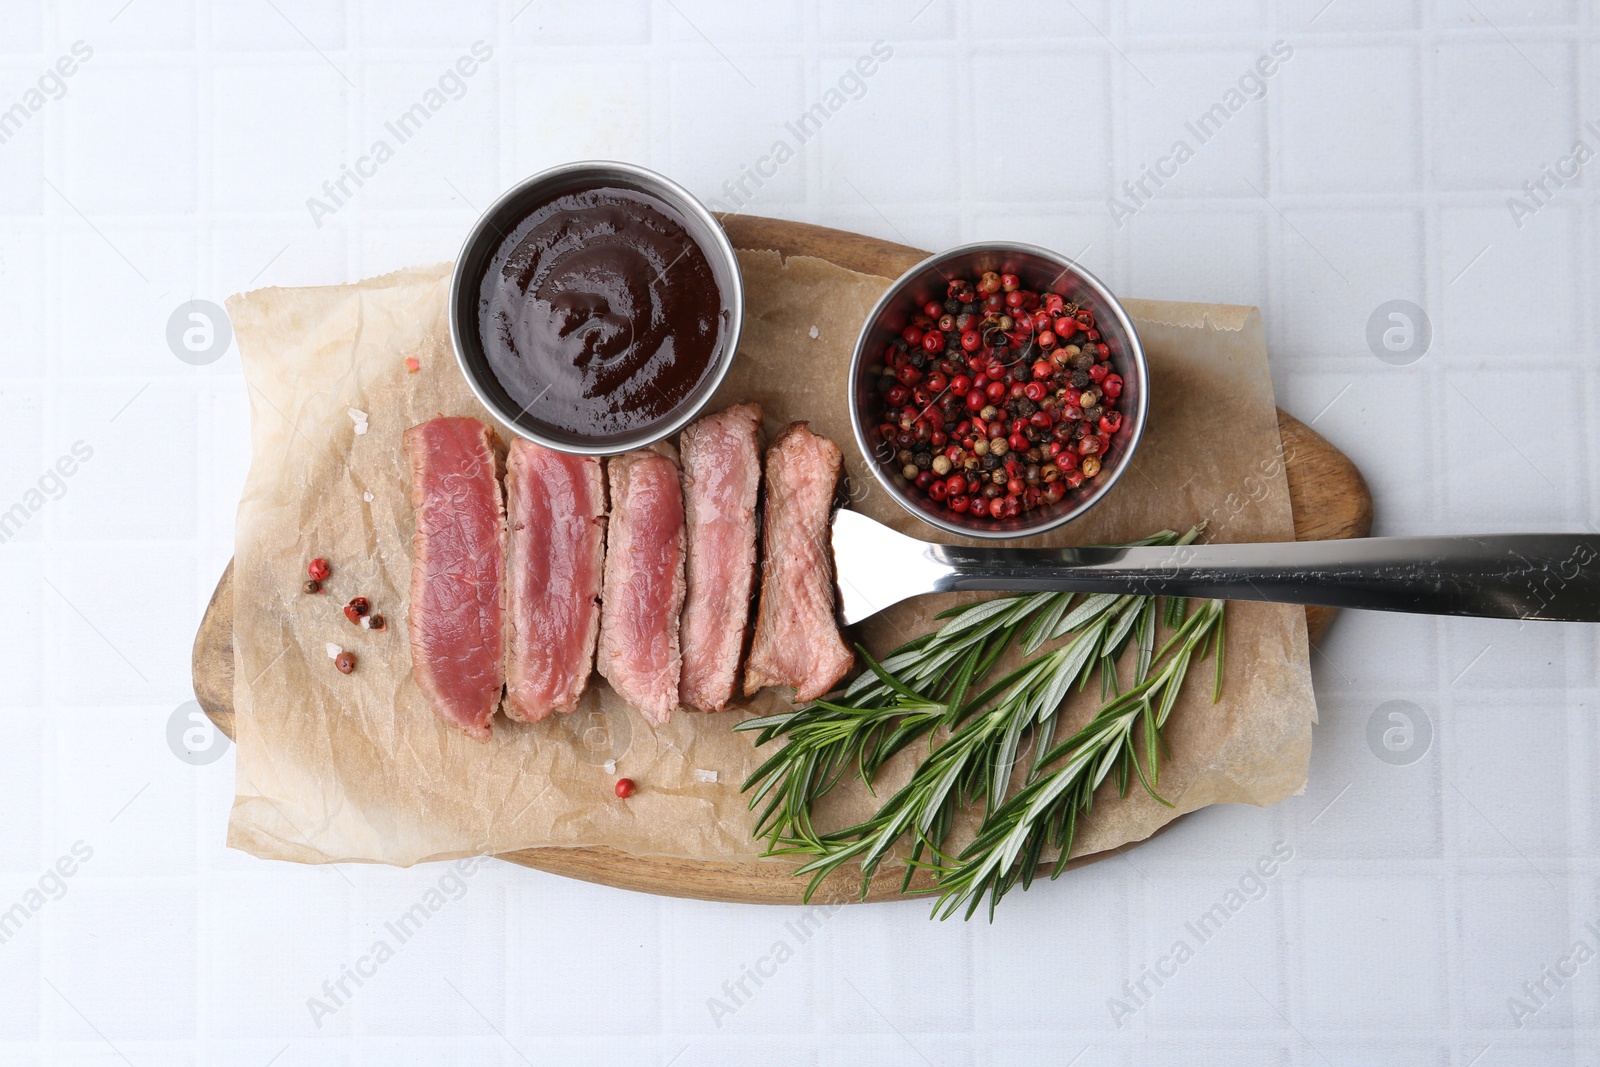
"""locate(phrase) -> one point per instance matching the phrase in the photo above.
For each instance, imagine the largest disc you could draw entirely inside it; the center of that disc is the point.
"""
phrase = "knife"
(1495, 576)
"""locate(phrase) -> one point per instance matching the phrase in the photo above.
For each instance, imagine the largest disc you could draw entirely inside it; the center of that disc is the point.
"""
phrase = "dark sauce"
(599, 314)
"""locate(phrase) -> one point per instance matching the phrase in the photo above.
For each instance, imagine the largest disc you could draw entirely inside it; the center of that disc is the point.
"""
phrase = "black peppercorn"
(1024, 407)
(923, 460)
(1079, 379)
(992, 461)
(1082, 361)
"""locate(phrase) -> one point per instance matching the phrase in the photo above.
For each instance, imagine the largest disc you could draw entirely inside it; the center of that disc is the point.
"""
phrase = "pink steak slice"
(457, 614)
(644, 588)
(722, 476)
(556, 510)
(797, 641)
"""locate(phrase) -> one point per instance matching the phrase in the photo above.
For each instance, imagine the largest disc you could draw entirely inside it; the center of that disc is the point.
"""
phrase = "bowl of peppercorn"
(998, 391)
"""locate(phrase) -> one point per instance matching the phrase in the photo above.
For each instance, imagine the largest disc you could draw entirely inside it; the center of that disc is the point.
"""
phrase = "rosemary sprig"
(927, 684)
(1008, 845)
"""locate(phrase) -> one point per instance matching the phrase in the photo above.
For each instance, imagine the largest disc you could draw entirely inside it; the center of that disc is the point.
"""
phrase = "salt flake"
(815, 333)
(367, 496)
(611, 766)
(704, 775)
(358, 417)
(333, 650)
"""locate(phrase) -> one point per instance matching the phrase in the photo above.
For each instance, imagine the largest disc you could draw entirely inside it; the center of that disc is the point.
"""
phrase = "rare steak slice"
(556, 514)
(797, 639)
(457, 614)
(722, 476)
(643, 589)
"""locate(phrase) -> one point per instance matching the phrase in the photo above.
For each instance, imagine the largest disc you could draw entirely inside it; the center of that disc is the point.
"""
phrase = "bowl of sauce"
(595, 307)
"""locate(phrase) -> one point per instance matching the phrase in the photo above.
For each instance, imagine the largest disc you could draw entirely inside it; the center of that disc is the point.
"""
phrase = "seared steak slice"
(722, 475)
(797, 639)
(456, 615)
(556, 511)
(644, 588)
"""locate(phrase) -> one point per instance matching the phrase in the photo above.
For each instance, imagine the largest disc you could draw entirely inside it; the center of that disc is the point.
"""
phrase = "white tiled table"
(1419, 898)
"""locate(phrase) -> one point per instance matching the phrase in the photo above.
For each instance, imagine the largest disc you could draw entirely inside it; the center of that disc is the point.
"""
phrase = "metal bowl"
(504, 214)
(1042, 271)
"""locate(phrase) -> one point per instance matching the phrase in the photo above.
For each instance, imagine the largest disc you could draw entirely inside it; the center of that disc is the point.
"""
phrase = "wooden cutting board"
(1329, 497)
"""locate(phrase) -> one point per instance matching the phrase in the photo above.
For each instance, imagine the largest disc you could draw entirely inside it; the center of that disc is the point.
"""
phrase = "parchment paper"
(335, 768)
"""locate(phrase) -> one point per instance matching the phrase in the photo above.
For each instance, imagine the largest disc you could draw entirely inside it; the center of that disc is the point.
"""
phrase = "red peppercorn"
(933, 341)
(1103, 350)
(937, 382)
(1018, 442)
(897, 395)
(976, 400)
(960, 384)
(912, 335)
(955, 485)
(319, 569)
(938, 491)
(1042, 369)
(1035, 391)
(1098, 372)
(1013, 299)
(959, 504)
(997, 507)
(375, 622)
(345, 662)
(1010, 282)
(971, 340)
(933, 309)
(1111, 422)
(1047, 339)
(996, 392)
(625, 788)
(1111, 386)
(1039, 420)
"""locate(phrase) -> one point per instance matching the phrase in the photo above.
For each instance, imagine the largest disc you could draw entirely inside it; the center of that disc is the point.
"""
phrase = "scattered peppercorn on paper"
(335, 768)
